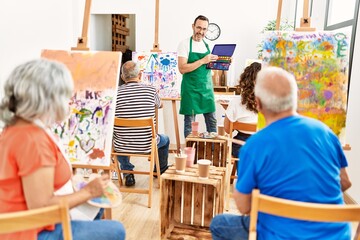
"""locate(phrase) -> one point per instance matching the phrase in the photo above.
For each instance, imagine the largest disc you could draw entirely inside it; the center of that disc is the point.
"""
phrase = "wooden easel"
(173, 100)
(82, 41)
(156, 36)
(305, 21)
(82, 46)
(176, 122)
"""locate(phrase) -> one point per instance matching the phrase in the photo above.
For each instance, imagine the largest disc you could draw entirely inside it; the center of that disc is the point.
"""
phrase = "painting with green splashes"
(319, 62)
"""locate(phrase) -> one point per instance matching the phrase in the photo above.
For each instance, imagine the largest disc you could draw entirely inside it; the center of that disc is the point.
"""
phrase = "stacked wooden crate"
(188, 204)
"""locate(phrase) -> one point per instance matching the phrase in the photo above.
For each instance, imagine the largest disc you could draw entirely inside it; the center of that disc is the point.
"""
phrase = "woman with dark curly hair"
(243, 108)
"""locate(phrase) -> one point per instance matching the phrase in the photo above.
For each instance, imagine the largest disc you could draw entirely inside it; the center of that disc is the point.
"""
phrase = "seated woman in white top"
(242, 108)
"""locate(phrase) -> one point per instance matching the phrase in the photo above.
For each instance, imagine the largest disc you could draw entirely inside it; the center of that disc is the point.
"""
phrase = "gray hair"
(38, 89)
(130, 69)
(276, 89)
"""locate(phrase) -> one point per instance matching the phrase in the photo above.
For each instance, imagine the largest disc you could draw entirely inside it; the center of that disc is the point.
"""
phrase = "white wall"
(100, 39)
(27, 27)
(238, 25)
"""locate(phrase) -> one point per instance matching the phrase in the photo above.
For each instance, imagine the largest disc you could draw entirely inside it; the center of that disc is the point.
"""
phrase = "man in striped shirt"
(137, 100)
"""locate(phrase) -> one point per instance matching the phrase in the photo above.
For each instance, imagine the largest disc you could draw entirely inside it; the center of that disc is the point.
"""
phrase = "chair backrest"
(146, 122)
(36, 218)
(224, 93)
(136, 122)
(240, 126)
(299, 210)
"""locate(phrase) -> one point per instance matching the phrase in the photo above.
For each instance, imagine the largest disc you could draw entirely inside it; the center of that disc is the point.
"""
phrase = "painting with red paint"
(159, 70)
(87, 133)
(319, 62)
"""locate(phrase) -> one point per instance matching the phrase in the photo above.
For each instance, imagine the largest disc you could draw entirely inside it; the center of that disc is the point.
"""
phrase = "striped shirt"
(134, 100)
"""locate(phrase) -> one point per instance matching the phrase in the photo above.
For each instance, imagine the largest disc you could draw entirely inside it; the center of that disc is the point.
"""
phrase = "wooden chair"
(152, 156)
(299, 210)
(224, 93)
(239, 126)
(36, 218)
(231, 165)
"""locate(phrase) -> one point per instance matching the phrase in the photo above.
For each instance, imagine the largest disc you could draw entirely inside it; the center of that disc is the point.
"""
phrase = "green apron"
(197, 91)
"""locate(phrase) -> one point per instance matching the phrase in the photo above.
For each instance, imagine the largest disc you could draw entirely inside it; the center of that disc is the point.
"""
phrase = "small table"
(213, 149)
(188, 204)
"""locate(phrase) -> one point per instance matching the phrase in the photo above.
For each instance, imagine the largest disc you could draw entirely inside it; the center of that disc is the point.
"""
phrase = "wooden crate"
(188, 204)
(214, 150)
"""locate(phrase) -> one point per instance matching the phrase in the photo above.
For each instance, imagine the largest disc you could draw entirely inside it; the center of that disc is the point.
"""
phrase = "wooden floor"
(140, 221)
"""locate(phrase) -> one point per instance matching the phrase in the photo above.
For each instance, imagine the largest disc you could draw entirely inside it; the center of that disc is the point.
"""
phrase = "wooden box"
(214, 150)
(188, 204)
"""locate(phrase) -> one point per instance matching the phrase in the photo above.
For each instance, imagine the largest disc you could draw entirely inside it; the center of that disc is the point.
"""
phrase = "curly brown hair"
(247, 84)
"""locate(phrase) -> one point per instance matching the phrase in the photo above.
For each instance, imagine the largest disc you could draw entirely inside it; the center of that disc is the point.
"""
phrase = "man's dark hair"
(201, 17)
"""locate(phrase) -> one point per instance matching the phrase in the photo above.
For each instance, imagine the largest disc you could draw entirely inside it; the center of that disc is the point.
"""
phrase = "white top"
(184, 47)
(236, 112)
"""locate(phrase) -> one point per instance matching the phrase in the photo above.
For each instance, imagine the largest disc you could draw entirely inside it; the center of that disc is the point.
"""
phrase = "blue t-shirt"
(295, 158)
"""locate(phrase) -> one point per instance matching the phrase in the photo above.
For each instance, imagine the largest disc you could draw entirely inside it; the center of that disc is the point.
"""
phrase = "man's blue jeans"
(229, 226)
(163, 153)
(210, 121)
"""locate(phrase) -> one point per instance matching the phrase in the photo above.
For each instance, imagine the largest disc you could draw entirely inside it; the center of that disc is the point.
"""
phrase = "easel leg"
(176, 123)
(107, 214)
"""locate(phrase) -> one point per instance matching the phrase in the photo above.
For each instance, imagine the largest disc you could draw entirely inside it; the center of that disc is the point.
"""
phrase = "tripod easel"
(82, 45)
(82, 41)
(305, 21)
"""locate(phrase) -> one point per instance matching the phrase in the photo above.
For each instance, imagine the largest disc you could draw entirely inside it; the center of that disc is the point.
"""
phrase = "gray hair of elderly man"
(276, 89)
(130, 69)
(37, 89)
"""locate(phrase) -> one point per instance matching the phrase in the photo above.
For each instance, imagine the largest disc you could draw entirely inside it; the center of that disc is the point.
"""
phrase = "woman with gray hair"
(32, 166)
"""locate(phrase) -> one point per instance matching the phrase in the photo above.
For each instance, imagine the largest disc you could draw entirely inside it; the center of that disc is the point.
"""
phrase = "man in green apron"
(197, 92)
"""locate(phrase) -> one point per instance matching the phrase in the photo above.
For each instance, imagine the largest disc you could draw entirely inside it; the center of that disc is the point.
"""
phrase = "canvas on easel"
(319, 62)
(159, 70)
(87, 134)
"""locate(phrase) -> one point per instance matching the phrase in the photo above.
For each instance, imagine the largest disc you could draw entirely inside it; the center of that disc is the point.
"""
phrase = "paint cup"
(221, 130)
(195, 128)
(204, 168)
(190, 152)
(180, 163)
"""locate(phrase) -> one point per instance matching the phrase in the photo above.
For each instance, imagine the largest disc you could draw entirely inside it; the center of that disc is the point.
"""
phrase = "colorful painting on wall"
(87, 134)
(319, 62)
(159, 70)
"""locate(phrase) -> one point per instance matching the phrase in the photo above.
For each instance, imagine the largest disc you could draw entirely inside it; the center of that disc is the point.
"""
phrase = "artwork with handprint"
(87, 133)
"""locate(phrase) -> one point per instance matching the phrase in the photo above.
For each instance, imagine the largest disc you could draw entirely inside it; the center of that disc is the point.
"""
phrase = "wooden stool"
(213, 149)
(188, 203)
